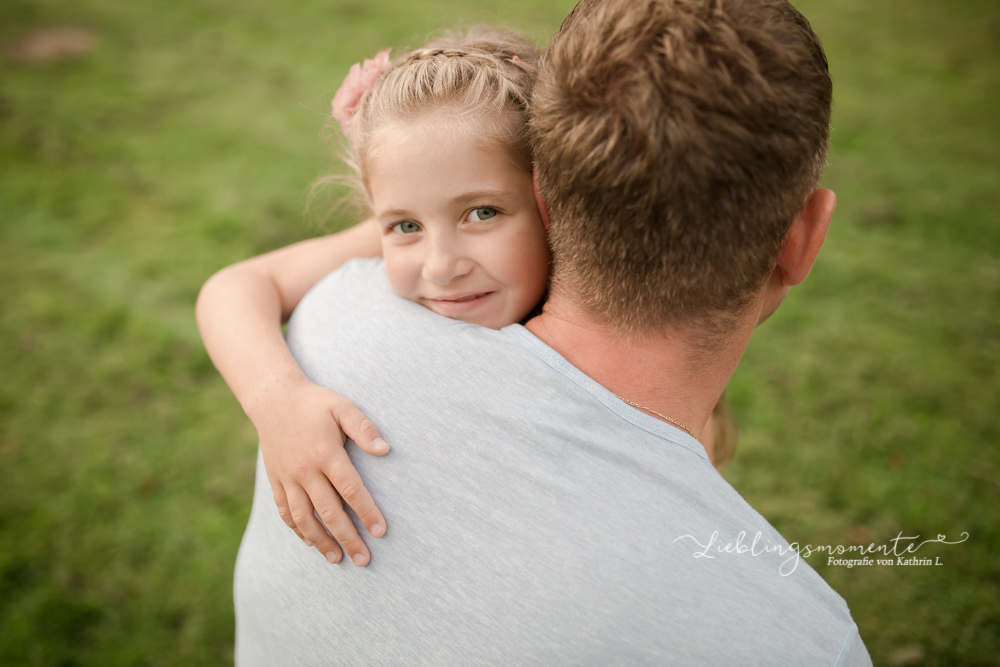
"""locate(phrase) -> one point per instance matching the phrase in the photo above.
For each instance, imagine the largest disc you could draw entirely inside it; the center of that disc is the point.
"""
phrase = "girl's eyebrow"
(479, 196)
(394, 213)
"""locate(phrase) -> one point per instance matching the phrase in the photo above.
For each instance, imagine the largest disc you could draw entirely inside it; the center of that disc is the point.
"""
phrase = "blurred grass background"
(184, 138)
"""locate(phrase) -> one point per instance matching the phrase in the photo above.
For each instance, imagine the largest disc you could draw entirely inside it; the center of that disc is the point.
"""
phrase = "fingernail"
(379, 443)
(307, 542)
(332, 557)
(360, 559)
(377, 530)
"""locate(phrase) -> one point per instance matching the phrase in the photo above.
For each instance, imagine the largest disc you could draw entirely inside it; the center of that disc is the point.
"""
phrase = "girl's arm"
(239, 311)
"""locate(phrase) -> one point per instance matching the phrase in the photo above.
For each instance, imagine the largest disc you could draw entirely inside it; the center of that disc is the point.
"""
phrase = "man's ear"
(543, 208)
(798, 254)
(805, 237)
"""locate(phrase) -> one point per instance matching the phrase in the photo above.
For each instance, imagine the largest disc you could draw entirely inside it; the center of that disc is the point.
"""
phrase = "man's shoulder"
(351, 319)
(357, 301)
(357, 283)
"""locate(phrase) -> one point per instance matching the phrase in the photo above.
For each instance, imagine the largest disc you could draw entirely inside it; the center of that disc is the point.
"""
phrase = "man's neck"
(664, 372)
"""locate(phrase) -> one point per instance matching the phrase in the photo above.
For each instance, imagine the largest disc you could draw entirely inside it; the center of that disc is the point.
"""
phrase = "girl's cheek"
(396, 270)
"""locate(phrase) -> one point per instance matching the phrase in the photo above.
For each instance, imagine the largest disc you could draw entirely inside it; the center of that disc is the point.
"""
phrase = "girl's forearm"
(239, 316)
(240, 310)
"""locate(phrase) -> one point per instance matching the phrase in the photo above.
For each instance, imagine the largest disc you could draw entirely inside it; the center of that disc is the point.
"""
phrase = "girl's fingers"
(347, 481)
(331, 510)
(281, 500)
(359, 428)
(308, 527)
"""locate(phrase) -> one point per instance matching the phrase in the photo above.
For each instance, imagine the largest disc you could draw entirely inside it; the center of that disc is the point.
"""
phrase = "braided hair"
(483, 76)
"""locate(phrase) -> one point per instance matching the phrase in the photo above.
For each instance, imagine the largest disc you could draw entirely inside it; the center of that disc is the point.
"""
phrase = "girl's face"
(461, 233)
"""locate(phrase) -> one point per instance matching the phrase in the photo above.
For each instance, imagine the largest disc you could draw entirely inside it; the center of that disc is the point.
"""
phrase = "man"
(547, 505)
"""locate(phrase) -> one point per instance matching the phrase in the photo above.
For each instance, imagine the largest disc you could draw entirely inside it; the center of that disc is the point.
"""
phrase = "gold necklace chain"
(661, 416)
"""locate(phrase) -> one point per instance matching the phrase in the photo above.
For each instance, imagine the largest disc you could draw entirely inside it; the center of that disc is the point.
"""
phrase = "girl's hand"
(302, 431)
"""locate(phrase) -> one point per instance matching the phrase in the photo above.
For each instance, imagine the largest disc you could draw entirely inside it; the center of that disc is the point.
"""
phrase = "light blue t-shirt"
(533, 518)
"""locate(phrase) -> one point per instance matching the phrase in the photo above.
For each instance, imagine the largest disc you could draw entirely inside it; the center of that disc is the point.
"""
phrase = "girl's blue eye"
(481, 214)
(407, 227)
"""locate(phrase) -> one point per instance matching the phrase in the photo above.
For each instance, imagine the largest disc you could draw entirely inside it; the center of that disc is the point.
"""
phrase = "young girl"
(439, 141)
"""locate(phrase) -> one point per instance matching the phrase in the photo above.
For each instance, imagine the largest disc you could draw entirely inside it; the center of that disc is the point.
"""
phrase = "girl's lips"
(458, 304)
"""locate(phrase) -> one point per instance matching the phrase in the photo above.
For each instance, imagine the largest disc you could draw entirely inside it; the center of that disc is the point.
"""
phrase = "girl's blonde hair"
(484, 75)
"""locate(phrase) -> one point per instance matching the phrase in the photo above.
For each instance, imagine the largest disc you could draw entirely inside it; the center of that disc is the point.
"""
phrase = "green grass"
(187, 140)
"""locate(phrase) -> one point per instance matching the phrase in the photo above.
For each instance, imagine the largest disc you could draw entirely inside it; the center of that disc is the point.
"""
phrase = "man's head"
(675, 141)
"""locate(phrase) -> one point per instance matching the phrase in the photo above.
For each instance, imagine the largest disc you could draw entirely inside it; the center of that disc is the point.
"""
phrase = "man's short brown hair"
(675, 140)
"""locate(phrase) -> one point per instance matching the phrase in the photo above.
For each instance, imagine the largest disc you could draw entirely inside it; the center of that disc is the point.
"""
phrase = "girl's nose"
(444, 262)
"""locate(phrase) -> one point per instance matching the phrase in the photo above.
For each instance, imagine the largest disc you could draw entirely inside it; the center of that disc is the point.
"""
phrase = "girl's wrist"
(260, 400)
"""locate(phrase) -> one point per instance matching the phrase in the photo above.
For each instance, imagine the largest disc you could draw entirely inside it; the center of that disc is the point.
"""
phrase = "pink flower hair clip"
(523, 65)
(357, 83)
